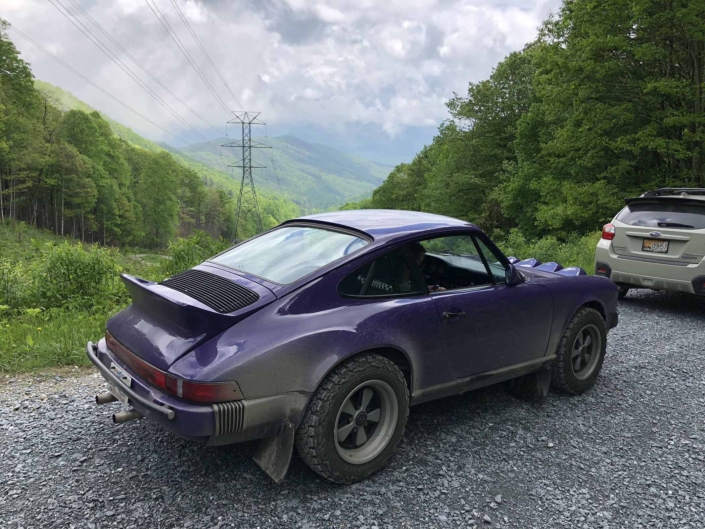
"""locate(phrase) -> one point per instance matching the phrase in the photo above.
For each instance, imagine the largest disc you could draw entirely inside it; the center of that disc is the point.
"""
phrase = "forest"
(67, 172)
(607, 102)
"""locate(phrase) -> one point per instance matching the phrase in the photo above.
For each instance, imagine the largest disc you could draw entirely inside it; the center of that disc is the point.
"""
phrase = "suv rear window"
(664, 215)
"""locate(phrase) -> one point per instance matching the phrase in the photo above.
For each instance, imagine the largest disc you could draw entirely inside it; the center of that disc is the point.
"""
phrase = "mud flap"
(274, 453)
(534, 386)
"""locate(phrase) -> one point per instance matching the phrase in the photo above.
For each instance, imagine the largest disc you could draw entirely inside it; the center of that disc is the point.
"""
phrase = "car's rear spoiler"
(665, 199)
(174, 308)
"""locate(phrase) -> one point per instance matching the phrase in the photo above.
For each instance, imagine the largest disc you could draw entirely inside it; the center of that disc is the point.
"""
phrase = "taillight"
(201, 392)
(608, 231)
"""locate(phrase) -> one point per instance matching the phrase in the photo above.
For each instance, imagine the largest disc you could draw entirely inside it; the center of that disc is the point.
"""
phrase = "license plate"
(655, 246)
(124, 378)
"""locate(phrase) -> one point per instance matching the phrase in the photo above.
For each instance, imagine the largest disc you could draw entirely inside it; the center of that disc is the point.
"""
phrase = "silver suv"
(657, 241)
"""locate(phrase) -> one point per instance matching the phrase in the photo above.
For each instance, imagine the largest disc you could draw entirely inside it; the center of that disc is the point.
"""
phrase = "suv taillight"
(608, 231)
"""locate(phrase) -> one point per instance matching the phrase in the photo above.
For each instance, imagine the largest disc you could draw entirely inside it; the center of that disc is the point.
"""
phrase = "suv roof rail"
(664, 191)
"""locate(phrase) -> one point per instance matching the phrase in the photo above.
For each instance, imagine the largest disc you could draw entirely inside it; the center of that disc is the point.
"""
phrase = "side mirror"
(513, 276)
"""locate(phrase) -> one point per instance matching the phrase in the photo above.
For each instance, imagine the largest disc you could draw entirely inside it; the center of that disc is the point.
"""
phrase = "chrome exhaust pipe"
(105, 398)
(126, 416)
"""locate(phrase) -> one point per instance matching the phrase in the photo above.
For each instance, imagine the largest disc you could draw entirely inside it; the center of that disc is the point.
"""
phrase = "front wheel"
(580, 352)
(355, 420)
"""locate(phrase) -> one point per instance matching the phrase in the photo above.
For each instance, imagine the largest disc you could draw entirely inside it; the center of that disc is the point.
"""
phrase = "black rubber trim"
(649, 260)
(699, 285)
(613, 320)
(607, 267)
(91, 349)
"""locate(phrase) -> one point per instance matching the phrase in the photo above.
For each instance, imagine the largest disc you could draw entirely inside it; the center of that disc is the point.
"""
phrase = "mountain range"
(312, 175)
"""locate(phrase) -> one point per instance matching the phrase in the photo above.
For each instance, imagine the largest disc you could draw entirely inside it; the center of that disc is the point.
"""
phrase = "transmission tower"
(247, 184)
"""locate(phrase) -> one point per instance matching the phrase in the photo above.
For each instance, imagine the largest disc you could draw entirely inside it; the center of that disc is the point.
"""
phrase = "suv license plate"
(655, 246)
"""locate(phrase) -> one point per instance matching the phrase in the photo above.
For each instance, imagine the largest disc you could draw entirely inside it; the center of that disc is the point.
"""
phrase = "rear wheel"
(580, 353)
(355, 420)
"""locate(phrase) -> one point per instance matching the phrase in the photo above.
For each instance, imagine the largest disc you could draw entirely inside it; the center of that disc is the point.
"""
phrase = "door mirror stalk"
(513, 276)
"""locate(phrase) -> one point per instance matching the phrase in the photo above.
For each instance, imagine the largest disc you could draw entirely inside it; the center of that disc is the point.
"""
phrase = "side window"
(496, 267)
(450, 263)
(388, 275)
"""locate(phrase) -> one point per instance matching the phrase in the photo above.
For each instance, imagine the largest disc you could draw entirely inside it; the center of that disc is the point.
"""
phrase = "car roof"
(387, 223)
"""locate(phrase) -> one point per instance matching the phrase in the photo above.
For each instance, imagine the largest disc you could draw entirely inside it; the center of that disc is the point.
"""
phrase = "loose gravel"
(629, 453)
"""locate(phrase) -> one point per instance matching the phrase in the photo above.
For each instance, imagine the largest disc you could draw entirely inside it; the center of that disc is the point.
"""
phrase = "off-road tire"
(562, 376)
(315, 441)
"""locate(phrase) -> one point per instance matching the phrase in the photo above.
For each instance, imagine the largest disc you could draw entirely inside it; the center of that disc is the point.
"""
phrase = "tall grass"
(55, 295)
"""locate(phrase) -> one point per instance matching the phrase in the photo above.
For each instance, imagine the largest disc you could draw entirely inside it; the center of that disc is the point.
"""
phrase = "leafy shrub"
(187, 253)
(62, 275)
(70, 275)
(576, 251)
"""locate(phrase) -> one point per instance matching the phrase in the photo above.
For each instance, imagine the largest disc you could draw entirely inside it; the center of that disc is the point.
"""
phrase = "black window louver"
(217, 292)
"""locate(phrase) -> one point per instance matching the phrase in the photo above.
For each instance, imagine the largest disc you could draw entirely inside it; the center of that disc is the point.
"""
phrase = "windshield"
(664, 215)
(287, 254)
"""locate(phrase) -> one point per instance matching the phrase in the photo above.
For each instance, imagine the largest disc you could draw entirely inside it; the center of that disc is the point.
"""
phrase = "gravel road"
(629, 453)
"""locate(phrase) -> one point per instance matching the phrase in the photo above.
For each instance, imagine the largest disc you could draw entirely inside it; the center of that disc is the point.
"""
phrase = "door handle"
(453, 314)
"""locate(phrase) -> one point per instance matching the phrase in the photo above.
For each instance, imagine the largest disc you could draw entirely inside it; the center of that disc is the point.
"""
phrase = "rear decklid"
(662, 229)
(167, 320)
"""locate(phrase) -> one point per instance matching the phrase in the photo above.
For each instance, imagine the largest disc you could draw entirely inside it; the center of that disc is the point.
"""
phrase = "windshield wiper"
(674, 225)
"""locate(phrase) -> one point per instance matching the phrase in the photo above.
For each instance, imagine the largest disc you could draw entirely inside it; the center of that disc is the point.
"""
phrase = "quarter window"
(388, 275)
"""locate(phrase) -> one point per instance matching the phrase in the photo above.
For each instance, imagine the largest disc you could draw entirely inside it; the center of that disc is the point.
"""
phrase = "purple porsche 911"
(320, 334)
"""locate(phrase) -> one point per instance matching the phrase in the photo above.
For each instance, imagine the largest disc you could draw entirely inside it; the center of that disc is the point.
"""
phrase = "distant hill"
(312, 175)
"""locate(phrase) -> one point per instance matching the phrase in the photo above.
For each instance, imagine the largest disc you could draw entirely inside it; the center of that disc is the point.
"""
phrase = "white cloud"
(391, 63)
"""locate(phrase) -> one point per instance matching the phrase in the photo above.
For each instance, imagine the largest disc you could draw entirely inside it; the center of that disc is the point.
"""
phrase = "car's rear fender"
(292, 344)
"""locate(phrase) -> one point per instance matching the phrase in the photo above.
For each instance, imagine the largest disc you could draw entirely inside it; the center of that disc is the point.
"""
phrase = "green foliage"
(607, 103)
(81, 174)
(71, 275)
(187, 253)
(49, 338)
(62, 275)
(56, 294)
(313, 176)
(575, 251)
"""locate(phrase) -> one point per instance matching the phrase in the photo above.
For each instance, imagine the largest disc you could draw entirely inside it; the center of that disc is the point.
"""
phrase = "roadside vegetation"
(607, 102)
(56, 294)
(69, 173)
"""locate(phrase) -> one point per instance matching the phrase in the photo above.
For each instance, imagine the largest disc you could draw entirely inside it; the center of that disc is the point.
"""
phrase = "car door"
(486, 325)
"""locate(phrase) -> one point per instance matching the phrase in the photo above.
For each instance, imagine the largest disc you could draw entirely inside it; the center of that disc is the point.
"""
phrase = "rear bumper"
(215, 424)
(675, 277)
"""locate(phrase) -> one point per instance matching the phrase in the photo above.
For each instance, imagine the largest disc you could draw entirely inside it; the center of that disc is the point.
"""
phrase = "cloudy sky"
(336, 69)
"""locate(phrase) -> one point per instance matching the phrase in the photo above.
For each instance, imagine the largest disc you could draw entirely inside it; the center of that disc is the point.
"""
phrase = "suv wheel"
(355, 420)
(622, 292)
(580, 353)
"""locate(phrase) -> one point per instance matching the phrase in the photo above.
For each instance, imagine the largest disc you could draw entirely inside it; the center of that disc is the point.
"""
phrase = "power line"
(145, 70)
(225, 45)
(86, 79)
(274, 167)
(198, 41)
(165, 23)
(90, 36)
